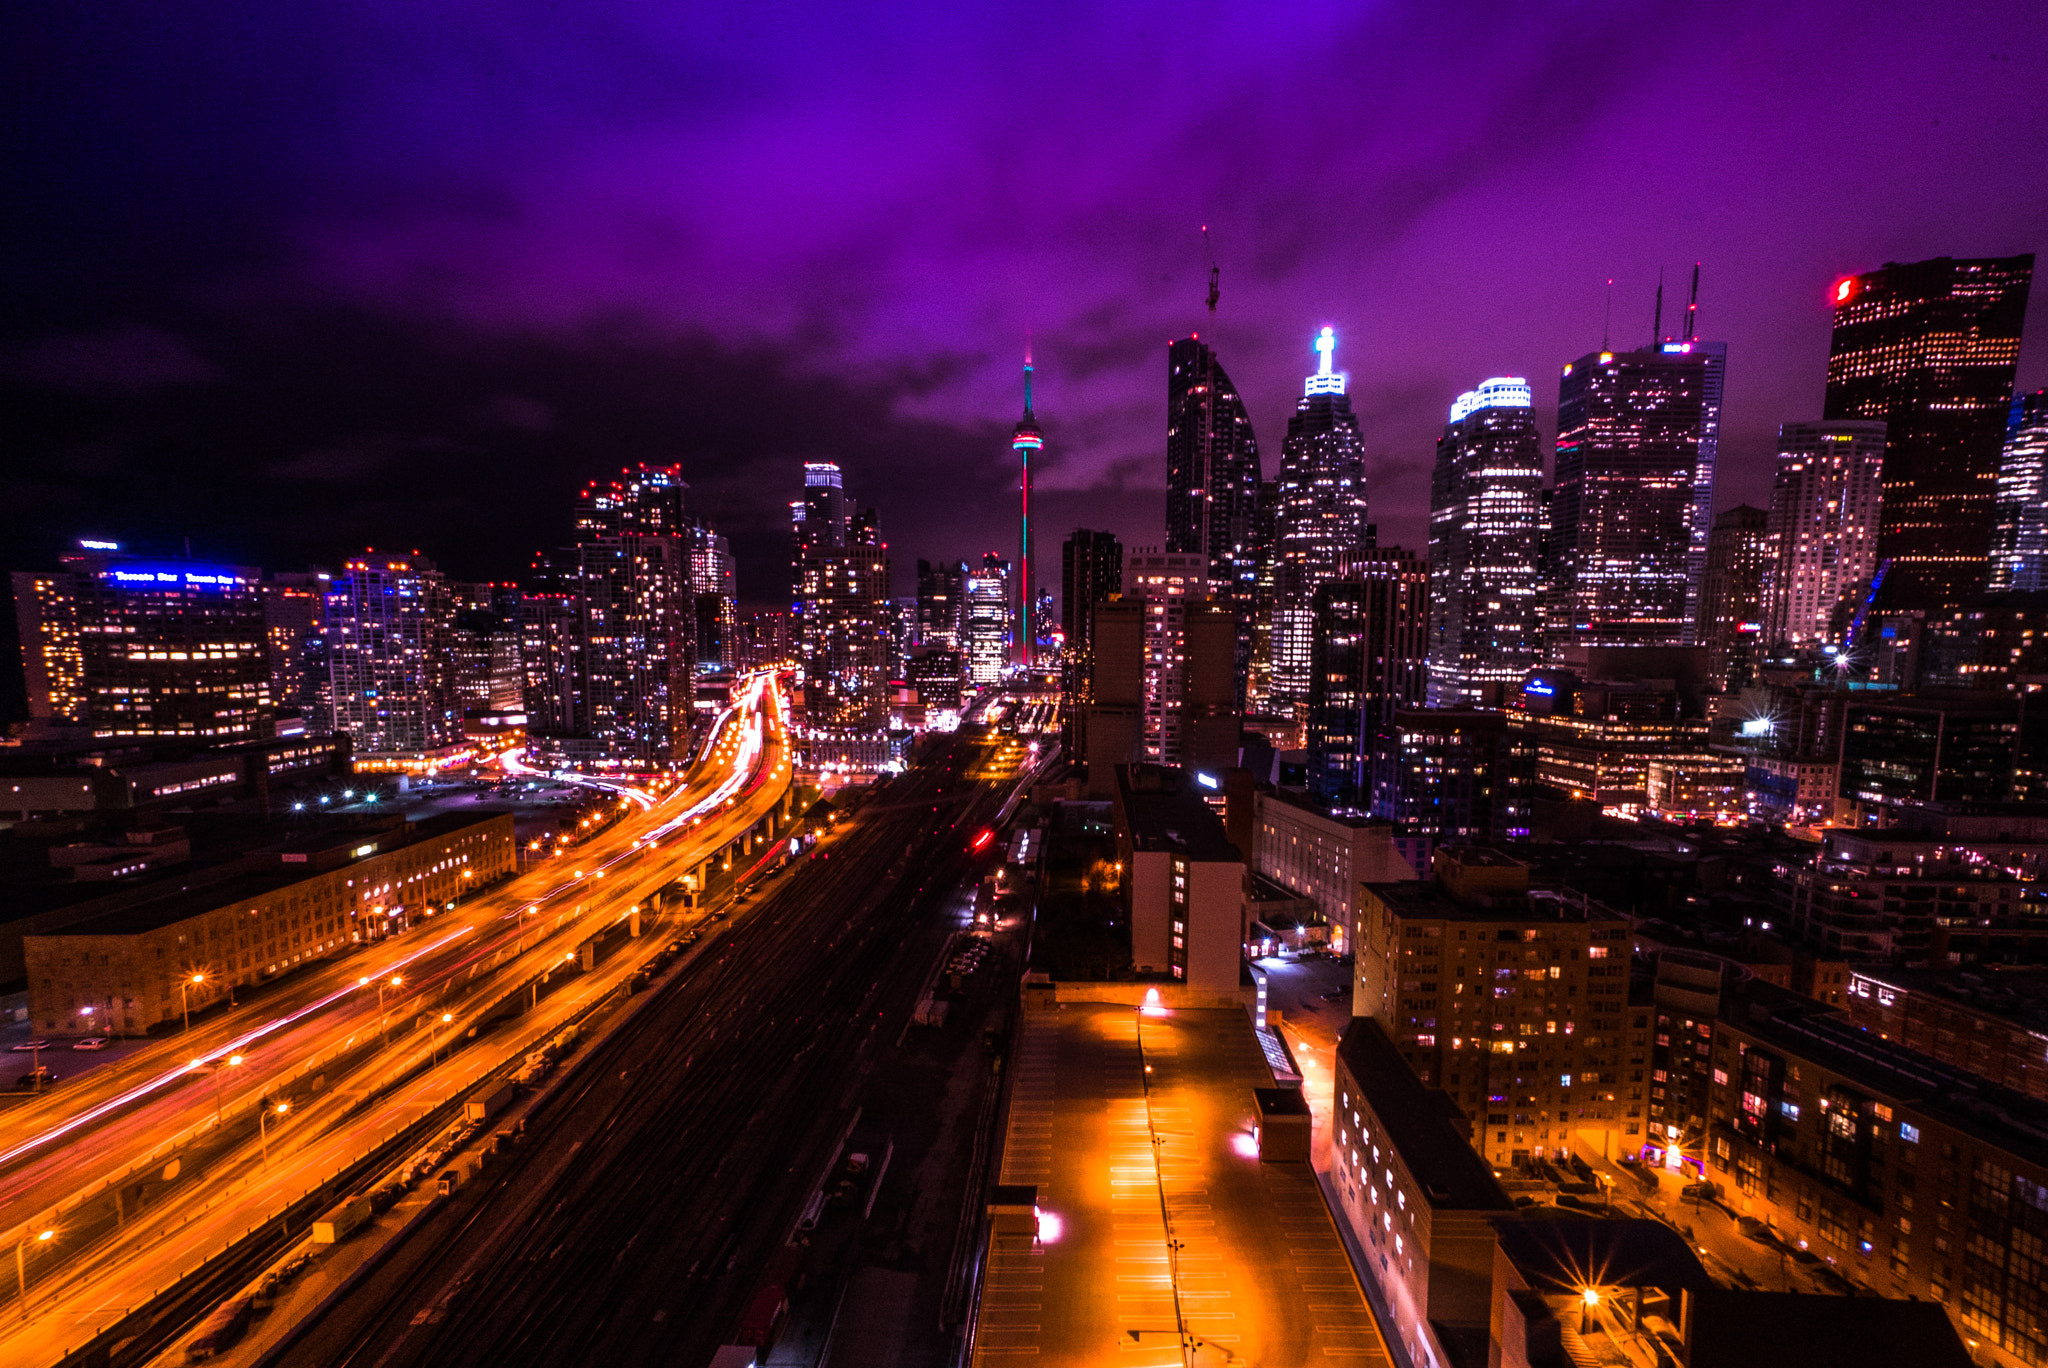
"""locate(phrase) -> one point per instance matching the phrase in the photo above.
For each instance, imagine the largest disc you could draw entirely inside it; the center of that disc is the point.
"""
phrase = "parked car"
(28, 1045)
(28, 1081)
(91, 1043)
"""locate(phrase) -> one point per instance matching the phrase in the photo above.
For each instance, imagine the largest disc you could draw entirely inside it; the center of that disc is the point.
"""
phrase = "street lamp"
(21, 1265)
(233, 1061)
(263, 1128)
(185, 993)
(434, 1038)
(1588, 1300)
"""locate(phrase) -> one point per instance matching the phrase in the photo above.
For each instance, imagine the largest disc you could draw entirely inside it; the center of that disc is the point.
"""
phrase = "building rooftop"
(1417, 899)
(1423, 1123)
(137, 910)
(1743, 1329)
(1567, 1254)
(1171, 819)
(1826, 1037)
(2013, 993)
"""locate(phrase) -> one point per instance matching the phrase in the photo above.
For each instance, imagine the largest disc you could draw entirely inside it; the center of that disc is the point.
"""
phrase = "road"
(104, 1259)
(630, 1225)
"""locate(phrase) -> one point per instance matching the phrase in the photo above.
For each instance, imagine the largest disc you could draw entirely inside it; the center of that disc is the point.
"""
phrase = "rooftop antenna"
(1692, 306)
(1607, 328)
(1027, 372)
(1215, 272)
(1657, 319)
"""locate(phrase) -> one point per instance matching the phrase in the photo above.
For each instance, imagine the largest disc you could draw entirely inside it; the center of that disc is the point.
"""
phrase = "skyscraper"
(1485, 537)
(389, 620)
(1713, 384)
(941, 603)
(1731, 595)
(1370, 657)
(1320, 516)
(1165, 583)
(1091, 571)
(1212, 482)
(1026, 438)
(990, 604)
(638, 616)
(1825, 508)
(1930, 348)
(295, 633)
(2019, 555)
(713, 585)
(1629, 428)
(843, 626)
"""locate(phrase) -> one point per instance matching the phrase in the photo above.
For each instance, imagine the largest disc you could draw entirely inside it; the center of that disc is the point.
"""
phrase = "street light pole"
(21, 1266)
(263, 1128)
(229, 1062)
(185, 993)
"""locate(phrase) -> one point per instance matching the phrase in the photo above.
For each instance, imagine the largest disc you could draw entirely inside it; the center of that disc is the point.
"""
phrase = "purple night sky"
(291, 279)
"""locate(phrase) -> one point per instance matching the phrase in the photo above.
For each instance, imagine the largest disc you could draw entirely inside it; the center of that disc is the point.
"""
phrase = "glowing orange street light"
(21, 1265)
(185, 994)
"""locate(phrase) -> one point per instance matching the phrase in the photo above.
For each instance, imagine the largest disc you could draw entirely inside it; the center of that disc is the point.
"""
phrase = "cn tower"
(1025, 439)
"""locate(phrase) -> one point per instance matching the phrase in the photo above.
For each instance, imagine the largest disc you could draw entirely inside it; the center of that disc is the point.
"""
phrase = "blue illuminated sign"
(1537, 686)
(145, 576)
(1207, 780)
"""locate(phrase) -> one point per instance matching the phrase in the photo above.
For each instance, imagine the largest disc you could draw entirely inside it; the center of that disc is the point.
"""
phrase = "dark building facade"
(1369, 658)
(1091, 572)
(1485, 534)
(1212, 481)
(1462, 776)
(1930, 348)
(1629, 428)
(1732, 595)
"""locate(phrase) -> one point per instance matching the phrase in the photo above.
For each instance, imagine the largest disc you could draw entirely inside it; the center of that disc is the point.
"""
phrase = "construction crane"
(1215, 272)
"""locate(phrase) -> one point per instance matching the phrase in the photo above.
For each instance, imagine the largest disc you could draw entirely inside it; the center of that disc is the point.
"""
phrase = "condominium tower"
(1825, 507)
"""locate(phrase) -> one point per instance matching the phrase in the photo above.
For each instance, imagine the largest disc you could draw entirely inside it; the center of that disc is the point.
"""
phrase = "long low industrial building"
(137, 959)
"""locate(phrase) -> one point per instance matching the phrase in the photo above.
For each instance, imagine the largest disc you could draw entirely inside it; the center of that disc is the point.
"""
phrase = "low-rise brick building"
(134, 960)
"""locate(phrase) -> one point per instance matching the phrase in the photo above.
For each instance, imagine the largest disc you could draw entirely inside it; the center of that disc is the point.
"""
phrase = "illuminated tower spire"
(1025, 438)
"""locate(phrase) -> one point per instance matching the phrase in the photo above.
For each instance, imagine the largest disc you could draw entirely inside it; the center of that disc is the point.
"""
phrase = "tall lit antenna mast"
(1025, 438)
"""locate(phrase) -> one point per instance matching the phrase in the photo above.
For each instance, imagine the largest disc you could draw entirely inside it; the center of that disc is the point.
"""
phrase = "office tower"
(1091, 572)
(639, 618)
(1265, 542)
(1164, 583)
(1460, 776)
(1929, 348)
(1732, 595)
(389, 619)
(989, 603)
(551, 663)
(715, 589)
(1629, 429)
(1824, 520)
(141, 648)
(1713, 384)
(1211, 722)
(1485, 533)
(1025, 439)
(483, 661)
(1369, 657)
(1212, 483)
(295, 637)
(766, 637)
(844, 641)
(941, 603)
(1321, 516)
(2019, 556)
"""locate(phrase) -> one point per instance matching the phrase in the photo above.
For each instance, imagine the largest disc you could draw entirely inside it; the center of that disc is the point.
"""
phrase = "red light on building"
(1844, 290)
(983, 838)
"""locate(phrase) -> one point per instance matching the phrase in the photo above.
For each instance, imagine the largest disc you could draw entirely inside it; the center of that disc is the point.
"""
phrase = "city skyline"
(1454, 264)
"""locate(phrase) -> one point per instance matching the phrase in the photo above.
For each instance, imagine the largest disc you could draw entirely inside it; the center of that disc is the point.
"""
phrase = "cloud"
(124, 359)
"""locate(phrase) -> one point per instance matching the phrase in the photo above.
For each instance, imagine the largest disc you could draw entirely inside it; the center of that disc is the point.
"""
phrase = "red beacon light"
(986, 835)
(1844, 290)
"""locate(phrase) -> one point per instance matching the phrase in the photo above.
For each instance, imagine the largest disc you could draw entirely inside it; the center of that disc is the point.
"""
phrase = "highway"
(349, 1070)
(652, 1186)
